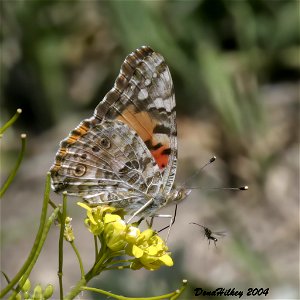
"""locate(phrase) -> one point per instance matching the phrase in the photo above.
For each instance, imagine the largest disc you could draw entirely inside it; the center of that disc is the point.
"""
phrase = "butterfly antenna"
(242, 188)
(211, 160)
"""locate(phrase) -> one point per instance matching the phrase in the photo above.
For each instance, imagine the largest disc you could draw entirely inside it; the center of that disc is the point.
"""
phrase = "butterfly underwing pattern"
(125, 155)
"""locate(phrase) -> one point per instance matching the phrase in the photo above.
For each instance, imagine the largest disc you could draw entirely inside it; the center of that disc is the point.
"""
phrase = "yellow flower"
(150, 251)
(95, 216)
(114, 232)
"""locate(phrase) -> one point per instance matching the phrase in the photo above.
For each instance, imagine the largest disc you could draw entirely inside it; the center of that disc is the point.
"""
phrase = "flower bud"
(26, 286)
(18, 297)
(48, 292)
(132, 234)
(68, 233)
(115, 232)
(37, 293)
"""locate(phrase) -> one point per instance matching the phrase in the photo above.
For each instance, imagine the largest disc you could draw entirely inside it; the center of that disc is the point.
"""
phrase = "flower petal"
(167, 260)
(108, 218)
(91, 217)
(85, 206)
(137, 252)
(152, 250)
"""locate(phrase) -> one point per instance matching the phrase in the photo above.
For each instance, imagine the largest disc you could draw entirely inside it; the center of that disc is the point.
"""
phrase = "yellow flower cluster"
(147, 248)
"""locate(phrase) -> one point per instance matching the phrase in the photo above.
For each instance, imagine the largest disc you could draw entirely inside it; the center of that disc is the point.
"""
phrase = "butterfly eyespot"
(104, 142)
(79, 170)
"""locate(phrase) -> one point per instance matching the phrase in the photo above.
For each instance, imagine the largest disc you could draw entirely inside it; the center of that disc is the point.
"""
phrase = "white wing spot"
(143, 94)
(147, 82)
(154, 75)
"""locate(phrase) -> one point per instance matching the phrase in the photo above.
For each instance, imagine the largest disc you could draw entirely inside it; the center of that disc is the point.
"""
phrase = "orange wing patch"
(74, 135)
(140, 122)
(78, 132)
(144, 126)
(161, 156)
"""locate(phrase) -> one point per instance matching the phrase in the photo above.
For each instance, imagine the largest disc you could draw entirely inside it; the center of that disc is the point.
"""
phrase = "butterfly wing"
(126, 153)
(106, 162)
(143, 98)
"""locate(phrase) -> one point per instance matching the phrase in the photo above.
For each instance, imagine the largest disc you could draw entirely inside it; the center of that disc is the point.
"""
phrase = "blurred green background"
(235, 67)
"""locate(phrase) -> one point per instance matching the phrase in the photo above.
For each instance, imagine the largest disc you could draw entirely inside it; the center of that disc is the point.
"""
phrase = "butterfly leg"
(140, 221)
(172, 220)
(150, 223)
(140, 210)
(170, 225)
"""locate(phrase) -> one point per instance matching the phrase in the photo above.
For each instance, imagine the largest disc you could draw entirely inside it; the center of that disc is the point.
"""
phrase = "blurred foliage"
(62, 57)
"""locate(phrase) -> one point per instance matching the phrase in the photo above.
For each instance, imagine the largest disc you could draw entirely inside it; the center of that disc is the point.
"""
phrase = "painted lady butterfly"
(125, 155)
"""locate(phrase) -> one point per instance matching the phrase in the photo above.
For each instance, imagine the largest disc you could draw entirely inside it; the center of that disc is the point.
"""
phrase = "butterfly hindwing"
(102, 159)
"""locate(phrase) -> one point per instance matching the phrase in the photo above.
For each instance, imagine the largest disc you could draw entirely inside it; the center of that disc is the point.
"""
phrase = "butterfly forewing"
(143, 98)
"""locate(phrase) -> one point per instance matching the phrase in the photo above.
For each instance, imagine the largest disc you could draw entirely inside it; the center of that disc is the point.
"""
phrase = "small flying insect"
(210, 235)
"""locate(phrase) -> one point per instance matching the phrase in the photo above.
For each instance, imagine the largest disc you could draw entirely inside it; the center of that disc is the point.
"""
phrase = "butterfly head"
(179, 194)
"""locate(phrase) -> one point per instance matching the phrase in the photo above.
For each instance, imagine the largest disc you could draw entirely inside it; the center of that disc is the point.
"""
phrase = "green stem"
(96, 247)
(16, 167)
(117, 268)
(119, 297)
(116, 254)
(79, 259)
(97, 268)
(180, 291)
(36, 242)
(94, 271)
(37, 253)
(102, 247)
(11, 121)
(53, 205)
(60, 246)
(120, 261)
(76, 290)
